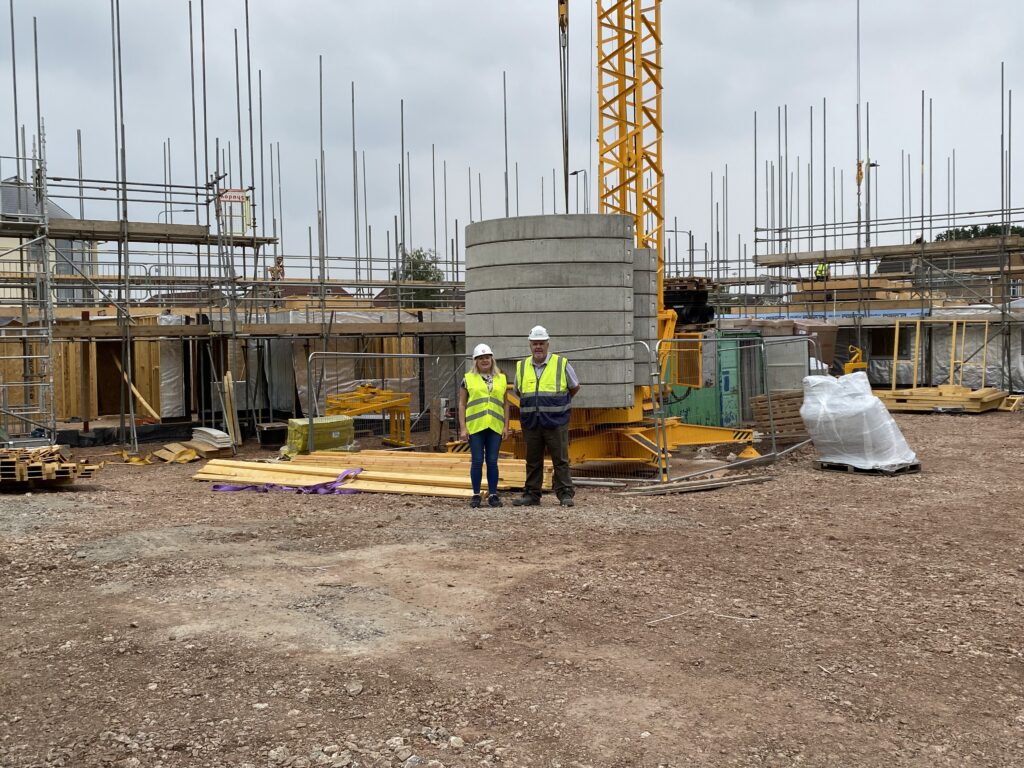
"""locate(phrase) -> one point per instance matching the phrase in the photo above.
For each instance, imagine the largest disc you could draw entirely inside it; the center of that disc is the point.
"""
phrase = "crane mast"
(631, 177)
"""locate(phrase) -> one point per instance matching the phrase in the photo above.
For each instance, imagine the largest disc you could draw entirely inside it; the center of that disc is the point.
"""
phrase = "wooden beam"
(110, 330)
(138, 395)
(990, 245)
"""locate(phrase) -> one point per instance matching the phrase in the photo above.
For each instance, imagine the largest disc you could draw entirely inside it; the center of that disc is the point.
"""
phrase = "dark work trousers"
(557, 443)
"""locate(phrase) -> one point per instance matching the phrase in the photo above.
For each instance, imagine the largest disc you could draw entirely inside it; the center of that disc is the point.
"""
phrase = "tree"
(419, 266)
(975, 231)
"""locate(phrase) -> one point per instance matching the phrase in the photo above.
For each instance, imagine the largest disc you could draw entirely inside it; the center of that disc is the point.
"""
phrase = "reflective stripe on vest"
(545, 402)
(485, 409)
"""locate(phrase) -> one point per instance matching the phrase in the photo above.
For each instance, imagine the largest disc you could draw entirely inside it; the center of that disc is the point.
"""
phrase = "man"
(546, 385)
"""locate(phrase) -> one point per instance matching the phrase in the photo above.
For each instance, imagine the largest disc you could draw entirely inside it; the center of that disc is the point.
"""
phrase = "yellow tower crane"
(631, 176)
(631, 181)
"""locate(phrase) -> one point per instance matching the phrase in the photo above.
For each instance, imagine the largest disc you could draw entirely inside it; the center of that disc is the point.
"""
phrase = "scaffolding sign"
(236, 212)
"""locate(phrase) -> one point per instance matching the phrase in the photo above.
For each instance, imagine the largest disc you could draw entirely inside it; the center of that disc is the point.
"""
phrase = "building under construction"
(139, 319)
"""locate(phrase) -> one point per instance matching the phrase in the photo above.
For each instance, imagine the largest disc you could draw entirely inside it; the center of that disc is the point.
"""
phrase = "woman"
(483, 420)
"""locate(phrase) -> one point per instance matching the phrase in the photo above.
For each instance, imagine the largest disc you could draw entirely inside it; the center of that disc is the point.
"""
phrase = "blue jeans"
(484, 443)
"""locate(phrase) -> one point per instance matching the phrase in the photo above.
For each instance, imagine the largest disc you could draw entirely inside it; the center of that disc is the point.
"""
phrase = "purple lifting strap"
(334, 486)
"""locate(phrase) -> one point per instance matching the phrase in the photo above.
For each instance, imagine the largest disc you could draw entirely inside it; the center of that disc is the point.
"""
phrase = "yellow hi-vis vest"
(821, 270)
(543, 404)
(485, 409)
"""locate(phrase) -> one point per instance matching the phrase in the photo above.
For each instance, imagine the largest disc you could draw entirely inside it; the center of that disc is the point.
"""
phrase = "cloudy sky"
(724, 60)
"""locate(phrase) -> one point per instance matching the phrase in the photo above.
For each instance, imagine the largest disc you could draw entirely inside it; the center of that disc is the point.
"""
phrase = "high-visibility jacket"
(485, 409)
(821, 270)
(543, 403)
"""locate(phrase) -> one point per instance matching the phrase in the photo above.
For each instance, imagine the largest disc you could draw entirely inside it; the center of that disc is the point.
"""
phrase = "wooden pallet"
(942, 399)
(783, 418)
(830, 466)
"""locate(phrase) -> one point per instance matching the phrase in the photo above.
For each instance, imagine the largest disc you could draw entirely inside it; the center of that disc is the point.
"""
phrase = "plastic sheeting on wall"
(172, 373)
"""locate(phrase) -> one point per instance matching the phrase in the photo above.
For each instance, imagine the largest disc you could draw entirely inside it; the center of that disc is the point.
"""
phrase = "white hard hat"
(539, 333)
(480, 350)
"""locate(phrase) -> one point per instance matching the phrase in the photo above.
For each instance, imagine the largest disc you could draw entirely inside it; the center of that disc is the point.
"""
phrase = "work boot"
(475, 501)
(526, 501)
(566, 501)
(494, 501)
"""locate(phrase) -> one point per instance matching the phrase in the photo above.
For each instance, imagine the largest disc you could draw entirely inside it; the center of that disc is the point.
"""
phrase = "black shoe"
(526, 501)
(566, 501)
(475, 501)
(494, 501)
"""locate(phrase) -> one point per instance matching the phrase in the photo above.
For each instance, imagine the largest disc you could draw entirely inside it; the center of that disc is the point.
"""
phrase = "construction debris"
(176, 453)
(41, 467)
(210, 443)
(689, 486)
(424, 474)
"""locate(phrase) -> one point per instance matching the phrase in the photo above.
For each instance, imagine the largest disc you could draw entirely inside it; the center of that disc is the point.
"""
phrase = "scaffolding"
(27, 414)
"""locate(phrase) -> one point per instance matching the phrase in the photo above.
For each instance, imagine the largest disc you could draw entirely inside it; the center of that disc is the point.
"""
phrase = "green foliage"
(976, 231)
(419, 266)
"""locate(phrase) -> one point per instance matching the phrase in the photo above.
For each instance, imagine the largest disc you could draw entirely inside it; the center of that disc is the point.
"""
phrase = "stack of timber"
(422, 474)
(783, 418)
(946, 398)
(40, 467)
(846, 289)
(210, 443)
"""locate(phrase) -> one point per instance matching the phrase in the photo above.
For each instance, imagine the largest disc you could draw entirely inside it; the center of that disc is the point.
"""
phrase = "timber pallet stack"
(422, 474)
(945, 398)
(40, 467)
(783, 418)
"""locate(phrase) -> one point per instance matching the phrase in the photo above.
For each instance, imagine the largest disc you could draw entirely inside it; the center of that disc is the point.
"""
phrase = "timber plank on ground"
(428, 477)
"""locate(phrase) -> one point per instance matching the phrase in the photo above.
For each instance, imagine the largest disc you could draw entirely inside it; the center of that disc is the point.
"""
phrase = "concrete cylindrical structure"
(573, 274)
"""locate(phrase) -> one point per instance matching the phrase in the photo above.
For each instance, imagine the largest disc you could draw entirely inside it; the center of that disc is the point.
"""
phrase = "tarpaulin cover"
(849, 425)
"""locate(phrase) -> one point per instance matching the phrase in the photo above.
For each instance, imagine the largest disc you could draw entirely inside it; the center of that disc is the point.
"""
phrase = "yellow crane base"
(637, 444)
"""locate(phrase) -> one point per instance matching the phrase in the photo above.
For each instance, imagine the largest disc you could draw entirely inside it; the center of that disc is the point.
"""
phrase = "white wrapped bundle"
(849, 425)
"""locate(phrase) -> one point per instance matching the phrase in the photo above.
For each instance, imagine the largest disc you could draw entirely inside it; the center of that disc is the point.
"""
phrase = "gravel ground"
(821, 619)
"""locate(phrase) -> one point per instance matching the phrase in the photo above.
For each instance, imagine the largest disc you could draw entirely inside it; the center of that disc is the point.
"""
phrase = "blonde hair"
(495, 370)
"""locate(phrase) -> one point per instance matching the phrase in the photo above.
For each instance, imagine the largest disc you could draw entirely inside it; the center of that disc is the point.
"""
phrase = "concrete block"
(644, 305)
(642, 374)
(571, 226)
(592, 325)
(572, 254)
(645, 259)
(645, 282)
(604, 396)
(484, 277)
(516, 348)
(502, 301)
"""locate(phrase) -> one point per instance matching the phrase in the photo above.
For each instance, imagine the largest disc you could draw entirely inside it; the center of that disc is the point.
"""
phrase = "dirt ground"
(820, 619)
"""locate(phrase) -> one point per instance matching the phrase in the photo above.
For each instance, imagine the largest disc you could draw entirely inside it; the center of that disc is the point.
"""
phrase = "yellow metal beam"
(631, 177)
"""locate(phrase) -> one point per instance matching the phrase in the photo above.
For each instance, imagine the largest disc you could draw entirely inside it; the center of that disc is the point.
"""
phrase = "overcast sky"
(723, 59)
